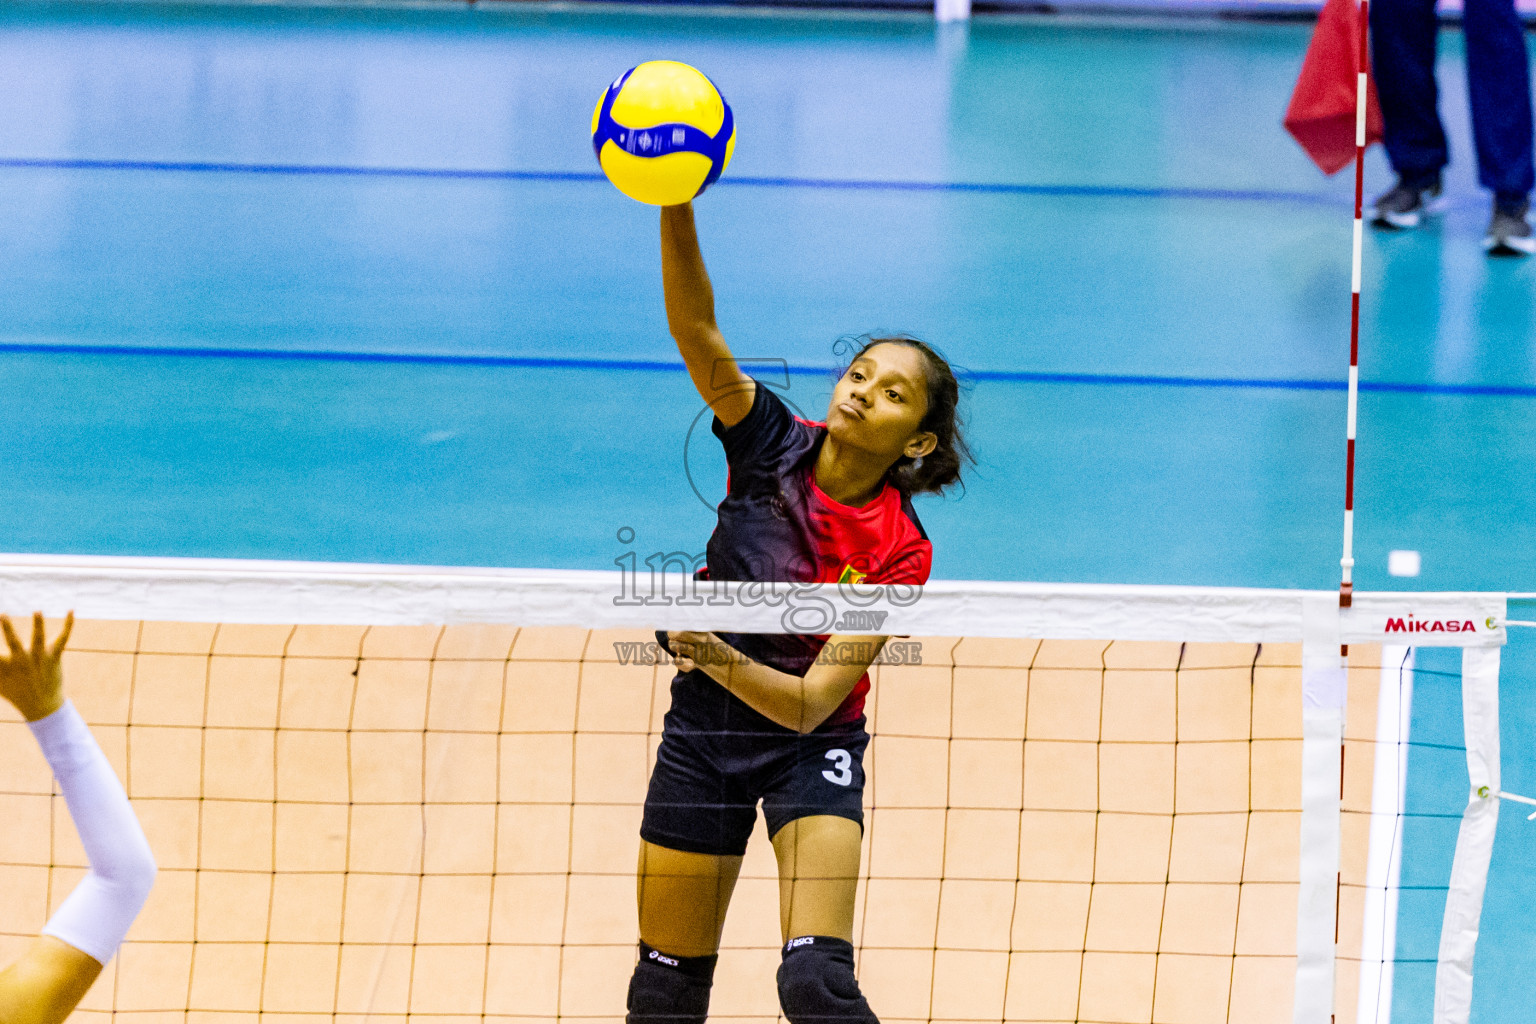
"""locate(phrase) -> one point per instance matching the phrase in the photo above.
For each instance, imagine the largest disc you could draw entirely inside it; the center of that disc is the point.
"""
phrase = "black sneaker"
(1509, 234)
(1404, 206)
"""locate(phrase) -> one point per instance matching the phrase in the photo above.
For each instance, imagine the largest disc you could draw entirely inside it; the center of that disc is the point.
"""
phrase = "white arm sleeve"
(96, 916)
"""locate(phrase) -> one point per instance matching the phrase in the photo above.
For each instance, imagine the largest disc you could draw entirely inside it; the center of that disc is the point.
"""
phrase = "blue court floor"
(339, 283)
(1104, 221)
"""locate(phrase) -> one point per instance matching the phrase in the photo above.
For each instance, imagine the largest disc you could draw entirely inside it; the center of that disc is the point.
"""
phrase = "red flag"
(1322, 111)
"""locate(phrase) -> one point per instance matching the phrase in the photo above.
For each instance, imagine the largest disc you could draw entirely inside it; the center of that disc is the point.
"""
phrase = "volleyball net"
(385, 793)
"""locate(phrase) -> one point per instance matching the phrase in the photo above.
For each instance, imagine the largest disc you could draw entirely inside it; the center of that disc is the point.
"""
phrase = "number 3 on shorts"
(842, 771)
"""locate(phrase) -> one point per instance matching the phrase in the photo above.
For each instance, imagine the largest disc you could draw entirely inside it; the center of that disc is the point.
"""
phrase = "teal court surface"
(344, 284)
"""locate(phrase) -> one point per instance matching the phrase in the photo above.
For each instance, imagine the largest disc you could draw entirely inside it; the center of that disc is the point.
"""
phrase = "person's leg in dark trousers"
(1499, 85)
(1403, 35)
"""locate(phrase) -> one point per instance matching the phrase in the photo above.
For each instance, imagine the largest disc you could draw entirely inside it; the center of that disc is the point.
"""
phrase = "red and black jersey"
(776, 525)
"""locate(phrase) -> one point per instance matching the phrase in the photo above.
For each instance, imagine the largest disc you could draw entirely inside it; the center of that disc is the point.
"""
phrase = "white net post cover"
(393, 793)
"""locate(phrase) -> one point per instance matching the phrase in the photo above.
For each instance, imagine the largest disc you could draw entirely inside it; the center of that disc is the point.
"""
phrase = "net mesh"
(441, 824)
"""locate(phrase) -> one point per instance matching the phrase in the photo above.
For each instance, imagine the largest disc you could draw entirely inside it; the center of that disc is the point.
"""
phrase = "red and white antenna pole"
(1362, 66)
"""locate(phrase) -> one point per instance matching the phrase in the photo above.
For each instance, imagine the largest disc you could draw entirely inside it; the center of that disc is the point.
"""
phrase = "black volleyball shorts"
(718, 758)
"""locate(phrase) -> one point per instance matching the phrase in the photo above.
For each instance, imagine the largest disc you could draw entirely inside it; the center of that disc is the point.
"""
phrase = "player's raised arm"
(691, 319)
(52, 976)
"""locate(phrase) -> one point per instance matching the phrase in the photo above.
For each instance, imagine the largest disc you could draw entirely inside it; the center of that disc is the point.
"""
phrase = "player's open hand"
(31, 679)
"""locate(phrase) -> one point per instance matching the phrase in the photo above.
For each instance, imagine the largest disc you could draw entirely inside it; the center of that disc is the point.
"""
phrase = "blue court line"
(337, 356)
(652, 365)
(1258, 383)
(993, 188)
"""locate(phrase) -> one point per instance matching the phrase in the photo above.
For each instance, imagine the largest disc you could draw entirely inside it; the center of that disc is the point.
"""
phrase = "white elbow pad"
(97, 914)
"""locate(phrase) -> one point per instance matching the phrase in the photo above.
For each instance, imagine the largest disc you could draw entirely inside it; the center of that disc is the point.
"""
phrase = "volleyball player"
(760, 717)
(43, 986)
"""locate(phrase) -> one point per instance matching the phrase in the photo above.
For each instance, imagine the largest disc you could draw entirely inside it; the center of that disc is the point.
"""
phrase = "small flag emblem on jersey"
(851, 575)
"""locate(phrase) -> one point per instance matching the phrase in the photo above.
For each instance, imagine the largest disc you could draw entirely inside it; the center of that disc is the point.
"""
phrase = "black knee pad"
(817, 984)
(670, 989)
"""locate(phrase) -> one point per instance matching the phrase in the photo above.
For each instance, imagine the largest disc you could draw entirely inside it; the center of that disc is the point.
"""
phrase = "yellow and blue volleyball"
(663, 133)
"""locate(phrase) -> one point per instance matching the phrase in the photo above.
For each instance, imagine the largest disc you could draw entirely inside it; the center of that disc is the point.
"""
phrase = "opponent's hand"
(32, 680)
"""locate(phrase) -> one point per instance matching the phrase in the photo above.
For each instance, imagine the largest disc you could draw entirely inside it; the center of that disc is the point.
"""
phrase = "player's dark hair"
(939, 470)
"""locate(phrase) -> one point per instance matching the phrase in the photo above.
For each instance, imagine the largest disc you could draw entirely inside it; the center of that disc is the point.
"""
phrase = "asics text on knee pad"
(817, 984)
(669, 989)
